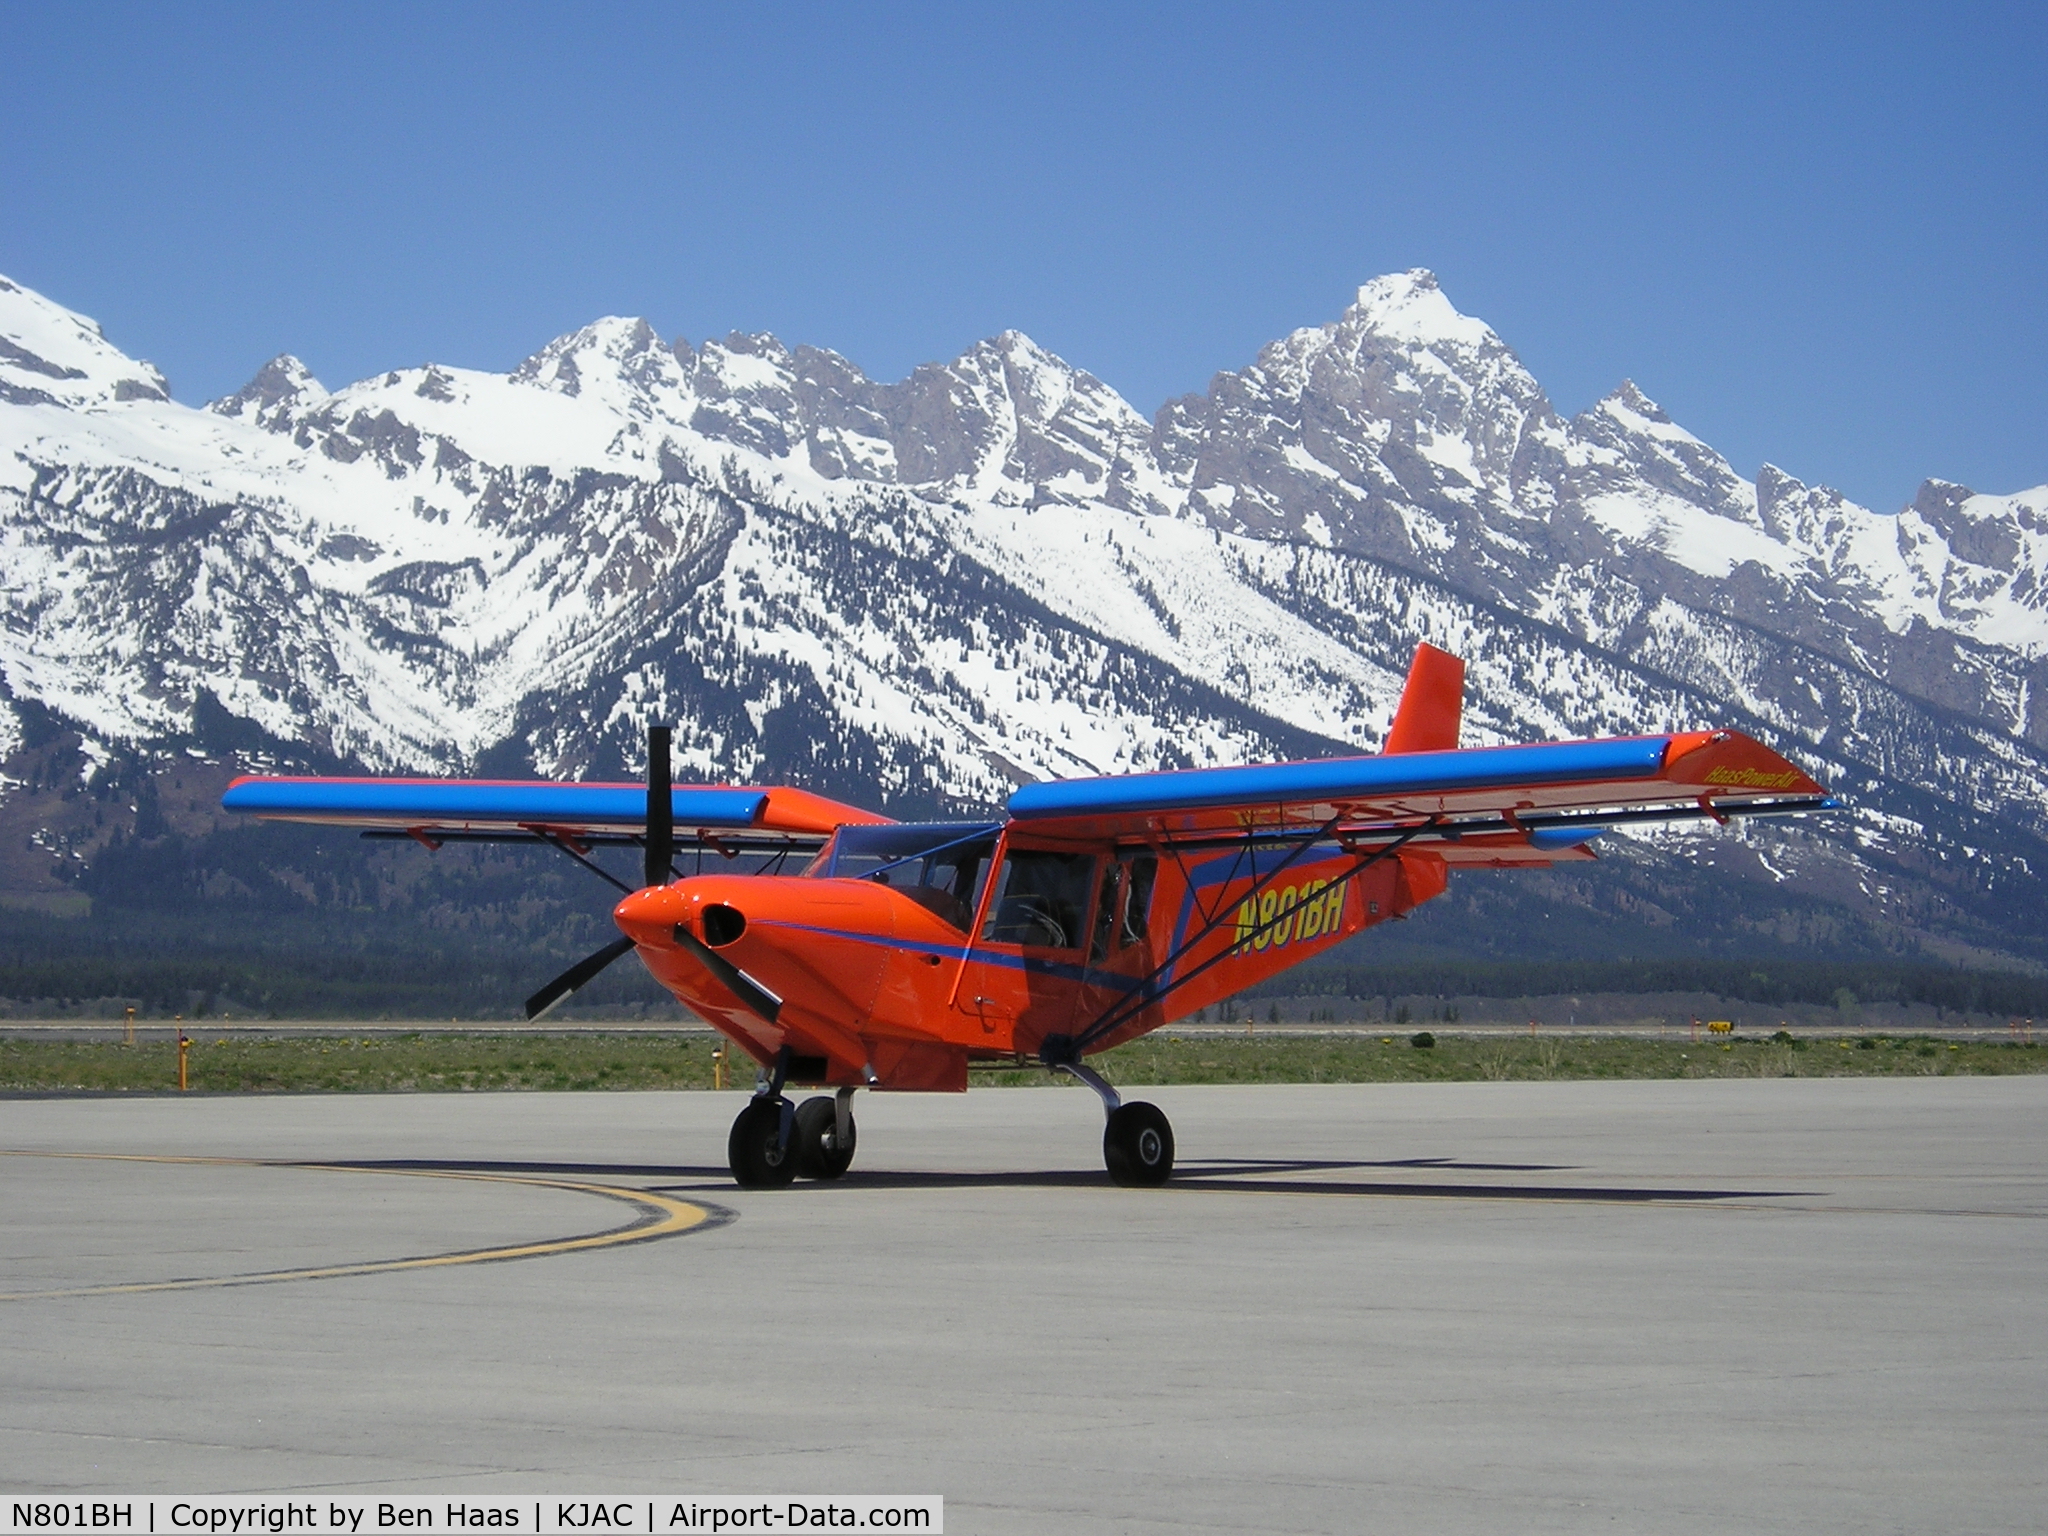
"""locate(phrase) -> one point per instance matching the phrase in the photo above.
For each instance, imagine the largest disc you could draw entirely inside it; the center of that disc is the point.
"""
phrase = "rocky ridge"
(924, 592)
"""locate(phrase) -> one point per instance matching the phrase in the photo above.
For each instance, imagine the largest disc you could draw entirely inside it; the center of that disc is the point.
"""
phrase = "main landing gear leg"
(762, 1149)
(1137, 1141)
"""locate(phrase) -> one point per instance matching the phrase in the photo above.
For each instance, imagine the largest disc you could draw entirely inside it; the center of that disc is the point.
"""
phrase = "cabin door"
(1024, 974)
(1121, 952)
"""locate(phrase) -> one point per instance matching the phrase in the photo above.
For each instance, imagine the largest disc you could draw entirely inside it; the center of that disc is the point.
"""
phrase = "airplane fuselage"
(899, 977)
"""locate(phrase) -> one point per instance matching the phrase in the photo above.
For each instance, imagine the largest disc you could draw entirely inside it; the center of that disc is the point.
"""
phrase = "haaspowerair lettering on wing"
(1750, 778)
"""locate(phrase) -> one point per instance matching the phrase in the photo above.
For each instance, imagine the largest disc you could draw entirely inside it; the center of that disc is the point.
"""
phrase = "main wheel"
(759, 1159)
(1137, 1145)
(819, 1153)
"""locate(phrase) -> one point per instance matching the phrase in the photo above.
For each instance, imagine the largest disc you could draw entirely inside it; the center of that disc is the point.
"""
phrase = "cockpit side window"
(1043, 899)
(950, 881)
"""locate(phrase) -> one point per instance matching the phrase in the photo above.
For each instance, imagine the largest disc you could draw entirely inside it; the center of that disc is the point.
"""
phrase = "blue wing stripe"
(1345, 778)
(430, 803)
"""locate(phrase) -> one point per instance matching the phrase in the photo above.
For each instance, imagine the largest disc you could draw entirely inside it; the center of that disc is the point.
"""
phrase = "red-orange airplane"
(845, 950)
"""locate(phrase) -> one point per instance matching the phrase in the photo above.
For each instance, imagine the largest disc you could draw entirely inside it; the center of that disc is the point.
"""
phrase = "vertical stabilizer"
(1431, 704)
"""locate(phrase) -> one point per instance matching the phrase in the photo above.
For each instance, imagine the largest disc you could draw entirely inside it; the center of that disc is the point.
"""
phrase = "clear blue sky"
(1815, 233)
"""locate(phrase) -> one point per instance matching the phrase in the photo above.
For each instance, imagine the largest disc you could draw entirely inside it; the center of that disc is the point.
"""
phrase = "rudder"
(1432, 703)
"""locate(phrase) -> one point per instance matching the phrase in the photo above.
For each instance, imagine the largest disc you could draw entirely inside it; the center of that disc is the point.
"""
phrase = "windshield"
(938, 864)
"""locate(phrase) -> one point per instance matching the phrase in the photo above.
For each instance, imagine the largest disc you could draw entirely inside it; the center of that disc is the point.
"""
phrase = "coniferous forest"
(296, 922)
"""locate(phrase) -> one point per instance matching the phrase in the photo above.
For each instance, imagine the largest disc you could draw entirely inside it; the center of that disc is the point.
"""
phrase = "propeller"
(660, 848)
(661, 809)
(551, 995)
(742, 986)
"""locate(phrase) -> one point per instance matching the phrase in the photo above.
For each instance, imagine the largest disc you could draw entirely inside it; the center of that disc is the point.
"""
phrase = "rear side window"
(1106, 905)
(1124, 904)
(1139, 875)
(1042, 900)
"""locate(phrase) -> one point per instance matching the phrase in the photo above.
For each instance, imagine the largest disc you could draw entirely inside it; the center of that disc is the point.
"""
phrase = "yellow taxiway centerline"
(663, 1216)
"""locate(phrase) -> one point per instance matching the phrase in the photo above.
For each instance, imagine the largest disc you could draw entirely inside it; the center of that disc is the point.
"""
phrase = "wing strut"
(549, 835)
(1249, 849)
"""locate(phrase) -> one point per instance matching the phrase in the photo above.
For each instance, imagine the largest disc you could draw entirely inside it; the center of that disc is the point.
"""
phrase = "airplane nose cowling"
(650, 916)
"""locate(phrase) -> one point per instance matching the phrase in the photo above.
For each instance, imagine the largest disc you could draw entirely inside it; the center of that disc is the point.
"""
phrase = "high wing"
(1489, 806)
(1551, 787)
(440, 810)
(657, 817)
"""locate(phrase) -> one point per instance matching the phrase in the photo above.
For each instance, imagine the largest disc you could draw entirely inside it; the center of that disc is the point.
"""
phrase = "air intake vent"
(722, 925)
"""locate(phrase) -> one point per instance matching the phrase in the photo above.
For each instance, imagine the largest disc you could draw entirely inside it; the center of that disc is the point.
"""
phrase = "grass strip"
(484, 1062)
(1167, 1058)
(382, 1063)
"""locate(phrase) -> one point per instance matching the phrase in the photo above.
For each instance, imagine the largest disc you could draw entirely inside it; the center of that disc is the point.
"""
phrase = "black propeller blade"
(738, 982)
(661, 849)
(661, 812)
(579, 973)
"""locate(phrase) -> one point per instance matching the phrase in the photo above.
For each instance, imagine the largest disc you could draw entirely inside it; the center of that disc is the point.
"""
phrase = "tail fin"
(1427, 720)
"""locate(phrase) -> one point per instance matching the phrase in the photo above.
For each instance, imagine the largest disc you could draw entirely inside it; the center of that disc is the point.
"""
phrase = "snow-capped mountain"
(995, 570)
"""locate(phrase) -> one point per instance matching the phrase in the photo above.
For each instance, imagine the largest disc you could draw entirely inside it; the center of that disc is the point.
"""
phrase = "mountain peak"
(625, 341)
(1636, 403)
(1410, 306)
(279, 386)
(1635, 413)
(1939, 499)
(1042, 372)
(52, 355)
(1020, 350)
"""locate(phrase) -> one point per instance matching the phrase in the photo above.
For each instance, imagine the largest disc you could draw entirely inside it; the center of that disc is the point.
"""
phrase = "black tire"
(759, 1159)
(818, 1152)
(1137, 1146)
